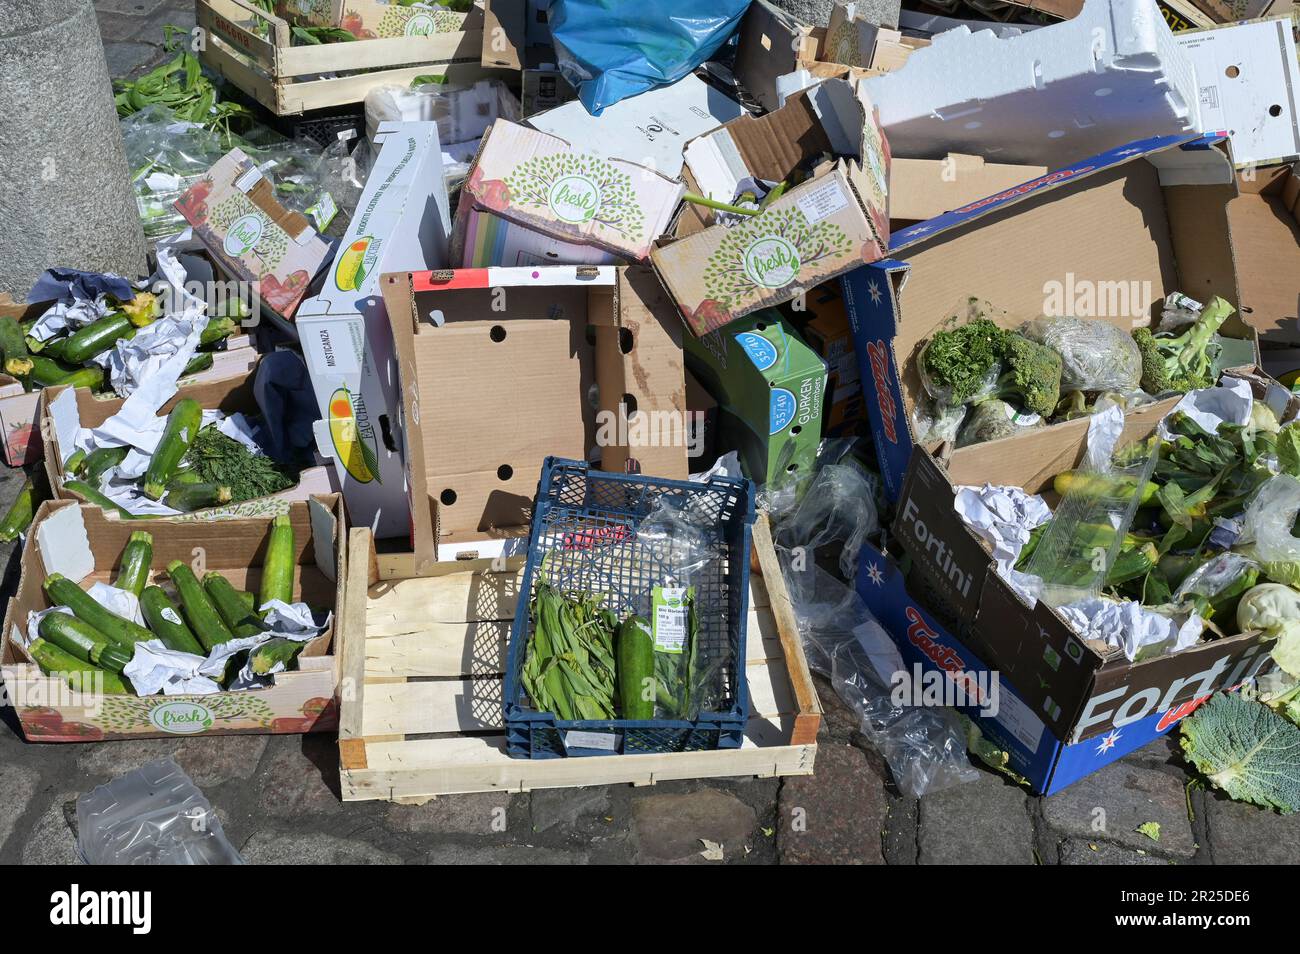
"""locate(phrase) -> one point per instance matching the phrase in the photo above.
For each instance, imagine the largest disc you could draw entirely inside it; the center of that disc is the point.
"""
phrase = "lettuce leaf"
(1247, 750)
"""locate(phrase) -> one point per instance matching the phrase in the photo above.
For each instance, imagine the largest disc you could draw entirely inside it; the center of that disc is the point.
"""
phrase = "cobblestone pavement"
(277, 796)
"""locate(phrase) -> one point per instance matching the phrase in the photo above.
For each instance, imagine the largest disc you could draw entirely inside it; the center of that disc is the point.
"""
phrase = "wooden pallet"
(421, 665)
(252, 49)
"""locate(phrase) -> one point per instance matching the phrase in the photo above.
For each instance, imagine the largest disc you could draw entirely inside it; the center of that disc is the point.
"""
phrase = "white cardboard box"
(402, 223)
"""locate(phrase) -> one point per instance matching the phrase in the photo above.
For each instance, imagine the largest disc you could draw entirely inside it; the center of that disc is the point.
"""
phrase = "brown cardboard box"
(920, 189)
(817, 229)
(1075, 687)
(85, 545)
(1265, 221)
(1231, 11)
(498, 368)
(63, 407)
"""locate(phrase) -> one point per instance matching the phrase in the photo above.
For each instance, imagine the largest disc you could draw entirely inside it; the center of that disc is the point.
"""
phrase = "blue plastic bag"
(612, 49)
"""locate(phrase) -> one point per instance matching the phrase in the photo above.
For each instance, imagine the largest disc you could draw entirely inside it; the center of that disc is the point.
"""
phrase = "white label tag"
(323, 211)
(822, 201)
(171, 616)
(670, 621)
(608, 741)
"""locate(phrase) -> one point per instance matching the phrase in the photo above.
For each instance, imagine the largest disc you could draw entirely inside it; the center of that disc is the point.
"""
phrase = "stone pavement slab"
(1110, 804)
(985, 822)
(835, 816)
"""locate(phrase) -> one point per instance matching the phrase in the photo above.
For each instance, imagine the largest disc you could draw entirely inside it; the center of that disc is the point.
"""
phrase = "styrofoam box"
(1109, 76)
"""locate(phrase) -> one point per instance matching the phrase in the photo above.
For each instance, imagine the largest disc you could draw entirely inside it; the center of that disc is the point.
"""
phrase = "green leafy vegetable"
(1033, 376)
(1288, 449)
(1247, 750)
(1186, 362)
(1151, 829)
(960, 359)
(222, 460)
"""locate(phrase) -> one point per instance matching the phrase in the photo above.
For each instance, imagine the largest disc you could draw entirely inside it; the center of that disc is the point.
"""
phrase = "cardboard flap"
(325, 538)
(64, 545)
(66, 419)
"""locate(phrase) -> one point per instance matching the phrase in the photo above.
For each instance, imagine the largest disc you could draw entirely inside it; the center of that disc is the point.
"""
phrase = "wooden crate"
(251, 48)
(421, 665)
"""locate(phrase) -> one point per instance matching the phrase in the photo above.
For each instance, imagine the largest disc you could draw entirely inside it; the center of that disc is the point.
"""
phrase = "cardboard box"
(85, 545)
(517, 36)
(1231, 11)
(921, 189)
(543, 88)
(1011, 720)
(1078, 688)
(536, 199)
(823, 322)
(402, 222)
(1107, 238)
(497, 372)
(1049, 96)
(254, 238)
(1265, 223)
(66, 410)
(372, 19)
(820, 228)
(771, 390)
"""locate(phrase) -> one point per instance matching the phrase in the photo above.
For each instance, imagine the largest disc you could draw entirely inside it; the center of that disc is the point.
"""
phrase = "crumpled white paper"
(1105, 427)
(1127, 625)
(124, 603)
(34, 621)
(62, 317)
(1227, 403)
(1003, 518)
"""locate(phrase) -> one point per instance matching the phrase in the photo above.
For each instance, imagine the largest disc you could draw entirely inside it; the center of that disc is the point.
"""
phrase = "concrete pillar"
(65, 191)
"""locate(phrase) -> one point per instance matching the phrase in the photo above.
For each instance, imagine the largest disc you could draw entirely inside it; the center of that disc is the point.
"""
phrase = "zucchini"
(235, 611)
(217, 331)
(81, 676)
(202, 616)
(200, 362)
(19, 517)
(74, 463)
(189, 476)
(165, 620)
(277, 565)
(48, 372)
(634, 666)
(1102, 485)
(48, 349)
(100, 461)
(84, 641)
(13, 344)
(124, 632)
(278, 650)
(97, 337)
(186, 496)
(137, 557)
(182, 424)
(93, 496)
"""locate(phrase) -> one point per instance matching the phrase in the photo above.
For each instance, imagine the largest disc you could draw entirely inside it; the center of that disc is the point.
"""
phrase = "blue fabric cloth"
(67, 285)
(285, 397)
(612, 49)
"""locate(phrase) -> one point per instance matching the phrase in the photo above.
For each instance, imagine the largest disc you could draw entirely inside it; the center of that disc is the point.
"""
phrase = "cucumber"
(217, 331)
(165, 620)
(19, 517)
(635, 665)
(100, 461)
(200, 362)
(201, 615)
(93, 496)
(81, 676)
(137, 557)
(235, 611)
(124, 632)
(182, 424)
(97, 337)
(84, 641)
(187, 496)
(278, 650)
(277, 565)
(13, 345)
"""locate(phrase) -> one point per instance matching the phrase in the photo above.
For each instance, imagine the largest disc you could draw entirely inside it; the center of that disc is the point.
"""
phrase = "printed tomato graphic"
(353, 23)
(353, 436)
(194, 203)
(290, 725)
(708, 315)
(495, 193)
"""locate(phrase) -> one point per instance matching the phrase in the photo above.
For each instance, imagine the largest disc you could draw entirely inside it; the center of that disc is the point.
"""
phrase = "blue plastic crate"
(587, 521)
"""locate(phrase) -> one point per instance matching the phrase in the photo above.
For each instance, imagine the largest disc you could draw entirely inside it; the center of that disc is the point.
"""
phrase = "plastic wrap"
(1269, 520)
(1095, 355)
(1177, 313)
(993, 419)
(968, 322)
(463, 113)
(610, 51)
(837, 509)
(936, 423)
(154, 815)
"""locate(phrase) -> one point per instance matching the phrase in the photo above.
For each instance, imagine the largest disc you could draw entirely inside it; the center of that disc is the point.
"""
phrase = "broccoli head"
(959, 359)
(1184, 363)
(1033, 375)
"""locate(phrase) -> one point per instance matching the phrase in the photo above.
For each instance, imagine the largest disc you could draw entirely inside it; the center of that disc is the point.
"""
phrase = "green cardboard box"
(770, 387)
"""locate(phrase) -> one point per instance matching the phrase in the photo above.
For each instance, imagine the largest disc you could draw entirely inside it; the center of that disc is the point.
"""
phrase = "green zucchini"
(48, 372)
(186, 496)
(13, 345)
(81, 676)
(200, 362)
(217, 331)
(124, 632)
(165, 620)
(635, 668)
(277, 565)
(92, 495)
(137, 557)
(49, 349)
(97, 337)
(20, 514)
(100, 461)
(189, 476)
(278, 650)
(182, 424)
(201, 615)
(74, 463)
(84, 641)
(235, 612)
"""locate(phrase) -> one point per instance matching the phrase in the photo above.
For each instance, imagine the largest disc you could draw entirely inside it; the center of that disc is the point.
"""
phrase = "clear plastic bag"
(1095, 355)
(993, 419)
(154, 815)
(1216, 577)
(838, 508)
(463, 113)
(1178, 312)
(936, 423)
(1269, 519)
(984, 367)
